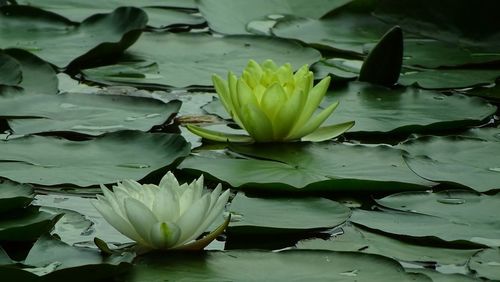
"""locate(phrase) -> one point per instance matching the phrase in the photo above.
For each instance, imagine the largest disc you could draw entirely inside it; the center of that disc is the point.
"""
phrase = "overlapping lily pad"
(296, 265)
(359, 240)
(378, 109)
(161, 13)
(452, 216)
(289, 214)
(464, 161)
(326, 167)
(191, 59)
(62, 42)
(84, 113)
(106, 159)
(449, 78)
(487, 264)
(10, 70)
(232, 17)
(25, 225)
(35, 75)
(14, 195)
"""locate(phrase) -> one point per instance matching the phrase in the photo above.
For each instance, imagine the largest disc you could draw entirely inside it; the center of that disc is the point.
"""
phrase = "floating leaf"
(360, 240)
(486, 264)
(14, 195)
(26, 225)
(106, 159)
(62, 42)
(440, 158)
(191, 59)
(294, 265)
(84, 113)
(232, 16)
(383, 64)
(325, 167)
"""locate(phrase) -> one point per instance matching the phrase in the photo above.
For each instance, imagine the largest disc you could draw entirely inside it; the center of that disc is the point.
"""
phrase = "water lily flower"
(164, 216)
(274, 104)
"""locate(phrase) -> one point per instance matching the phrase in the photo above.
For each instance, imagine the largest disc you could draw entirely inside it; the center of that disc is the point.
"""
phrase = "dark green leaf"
(383, 64)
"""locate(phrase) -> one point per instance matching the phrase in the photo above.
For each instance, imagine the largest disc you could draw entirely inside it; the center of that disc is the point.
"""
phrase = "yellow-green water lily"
(164, 216)
(274, 104)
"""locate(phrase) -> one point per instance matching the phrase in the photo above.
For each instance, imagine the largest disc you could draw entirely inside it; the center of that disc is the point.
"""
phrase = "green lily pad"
(191, 59)
(57, 261)
(491, 134)
(37, 76)
(344, 31)
(444, 20)
(161, 13)
(443, 277)
(338, 69)
(84, 113)
(232, 17)
(486, 264)
(360, 240)
(62, 42)
(440, 158)
(383, 64)
(449, 78)
(289, 214)
(378, 109)
(25, 225)
(105, 159)
(490, 92)
(294, 265)
(10, 70)
(14, 195)
(326, 167)
(423, 227)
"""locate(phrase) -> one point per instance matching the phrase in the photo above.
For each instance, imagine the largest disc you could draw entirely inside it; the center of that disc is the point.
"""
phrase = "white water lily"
(274, 104)
(164, 216)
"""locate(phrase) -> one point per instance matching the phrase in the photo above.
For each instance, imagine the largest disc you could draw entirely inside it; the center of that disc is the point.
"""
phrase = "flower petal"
(219, 136)
(192, 218)
(313, 123)
(272, 101)
(257, 123)
(115, 220)
(314, 98)
(140, 217)
(328, 132)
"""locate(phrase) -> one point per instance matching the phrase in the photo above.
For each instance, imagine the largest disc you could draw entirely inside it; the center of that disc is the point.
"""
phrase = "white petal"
(140, 217)
(164, 235)
(166, 206)
(169, 181)
(213, 213)
(190, 221)
(118, 222)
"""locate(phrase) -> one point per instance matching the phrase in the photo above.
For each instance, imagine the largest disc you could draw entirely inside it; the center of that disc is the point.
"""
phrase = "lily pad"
(161, 13)
(325, 167)
(289, 214)
(449, 78)
(37, 76)
(84, 113)
(14, 195)
(10, 70)
(360, 240)
(486, 264)
(191, 59)
(426, 227)
(444, 20)
(52, 161)
(232, 16)
(338, 69)
(440, 158)
(378, 109)
(25, 225)
(345, 31)
(294, 265)
(63, 42)
(58, 261)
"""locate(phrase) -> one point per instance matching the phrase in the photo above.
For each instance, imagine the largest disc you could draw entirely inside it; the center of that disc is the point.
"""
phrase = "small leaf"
(383, 64)
(328, 132)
